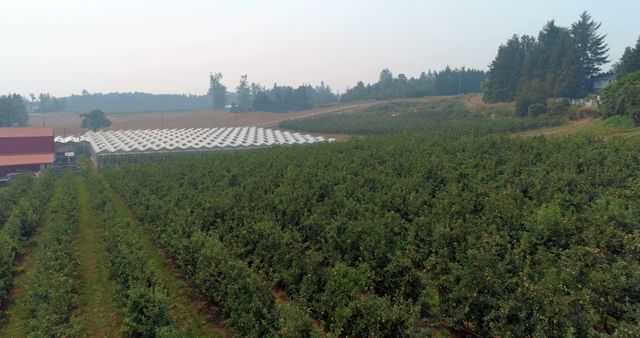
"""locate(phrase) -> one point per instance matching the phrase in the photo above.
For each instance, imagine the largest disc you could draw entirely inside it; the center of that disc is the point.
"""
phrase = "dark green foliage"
(446, 82)
(630, 61)
(12, 111)
(217, 91)
(244, 299)
(286, 98)
(623, 98)
(52, 289)
(13, 193)
(143, 298)
(530, 93)
(504, 72)
(536, 109)
(379, 236)
(21, 222)
(96, 119)
(48, 103)
(294, 322)
(146, 311)
(564, 61)
(591, 47)
(558, 106)
(243, 94)
(444, 117)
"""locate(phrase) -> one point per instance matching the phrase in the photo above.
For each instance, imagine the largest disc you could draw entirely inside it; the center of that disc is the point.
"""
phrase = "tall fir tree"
(243, 92)
(217, 91)
(568, 76)
(591, 47)
(504, 72)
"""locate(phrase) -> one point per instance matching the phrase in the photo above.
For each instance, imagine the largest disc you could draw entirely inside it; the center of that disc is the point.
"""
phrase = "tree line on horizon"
(256, 97)
(432, 83)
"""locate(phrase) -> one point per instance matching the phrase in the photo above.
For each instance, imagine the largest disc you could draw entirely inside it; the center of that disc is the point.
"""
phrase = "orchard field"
(438, 221)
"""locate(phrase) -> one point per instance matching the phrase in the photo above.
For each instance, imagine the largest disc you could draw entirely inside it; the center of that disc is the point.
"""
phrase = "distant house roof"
(26, 132)
(8, 160)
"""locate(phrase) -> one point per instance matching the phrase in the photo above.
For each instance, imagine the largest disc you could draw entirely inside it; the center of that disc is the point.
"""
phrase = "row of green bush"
(52, 289)
(243, 297)
(378, 236)
(144, 299)
(11, 194)
(22, 221)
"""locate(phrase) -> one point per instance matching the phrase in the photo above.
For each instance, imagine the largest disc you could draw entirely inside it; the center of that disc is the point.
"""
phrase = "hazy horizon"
(170, 47)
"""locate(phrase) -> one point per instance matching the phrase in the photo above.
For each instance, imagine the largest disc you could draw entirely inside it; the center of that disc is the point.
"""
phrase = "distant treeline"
(255, 97)
(286, 98)
(46, 103)
(135, 102)
(446, 82)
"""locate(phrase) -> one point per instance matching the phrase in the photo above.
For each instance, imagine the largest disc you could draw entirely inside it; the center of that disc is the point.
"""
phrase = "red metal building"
(25, 149)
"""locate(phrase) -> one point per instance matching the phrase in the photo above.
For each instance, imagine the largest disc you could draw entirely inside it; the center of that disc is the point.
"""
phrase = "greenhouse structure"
(126, 146)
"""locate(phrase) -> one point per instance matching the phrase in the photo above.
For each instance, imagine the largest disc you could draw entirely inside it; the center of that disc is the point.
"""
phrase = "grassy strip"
(98, 315)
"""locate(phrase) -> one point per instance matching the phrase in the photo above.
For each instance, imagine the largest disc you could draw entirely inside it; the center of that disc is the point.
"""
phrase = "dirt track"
(70, 123)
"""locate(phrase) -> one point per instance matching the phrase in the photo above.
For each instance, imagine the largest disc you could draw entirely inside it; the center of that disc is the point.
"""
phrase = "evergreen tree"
(504, 71)
(48, 103)
(244, 94)
(568, 78)
(630, 61)
(386, 76)
(563, 60)
(591, 47)
(12, 111)
(217, 91)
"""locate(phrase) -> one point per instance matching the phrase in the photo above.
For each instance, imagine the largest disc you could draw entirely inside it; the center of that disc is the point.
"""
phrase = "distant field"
(65, 123)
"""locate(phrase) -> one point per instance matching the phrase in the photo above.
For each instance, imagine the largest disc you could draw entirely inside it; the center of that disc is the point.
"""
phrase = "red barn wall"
(26, 145)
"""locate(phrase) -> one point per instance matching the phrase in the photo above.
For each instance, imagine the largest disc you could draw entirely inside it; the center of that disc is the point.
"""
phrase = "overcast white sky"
(164, 46)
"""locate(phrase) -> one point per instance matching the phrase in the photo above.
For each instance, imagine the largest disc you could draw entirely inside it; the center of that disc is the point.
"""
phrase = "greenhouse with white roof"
(117, 146)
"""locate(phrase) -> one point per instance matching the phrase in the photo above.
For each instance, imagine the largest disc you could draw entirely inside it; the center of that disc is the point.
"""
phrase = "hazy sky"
(160, 46)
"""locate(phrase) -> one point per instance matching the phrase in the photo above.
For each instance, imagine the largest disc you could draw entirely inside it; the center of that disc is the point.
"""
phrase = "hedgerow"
(143, 297)
(23, 219)
(52, 289)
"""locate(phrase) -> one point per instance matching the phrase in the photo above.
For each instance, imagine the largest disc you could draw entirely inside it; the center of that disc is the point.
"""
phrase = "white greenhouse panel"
(153, 140)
